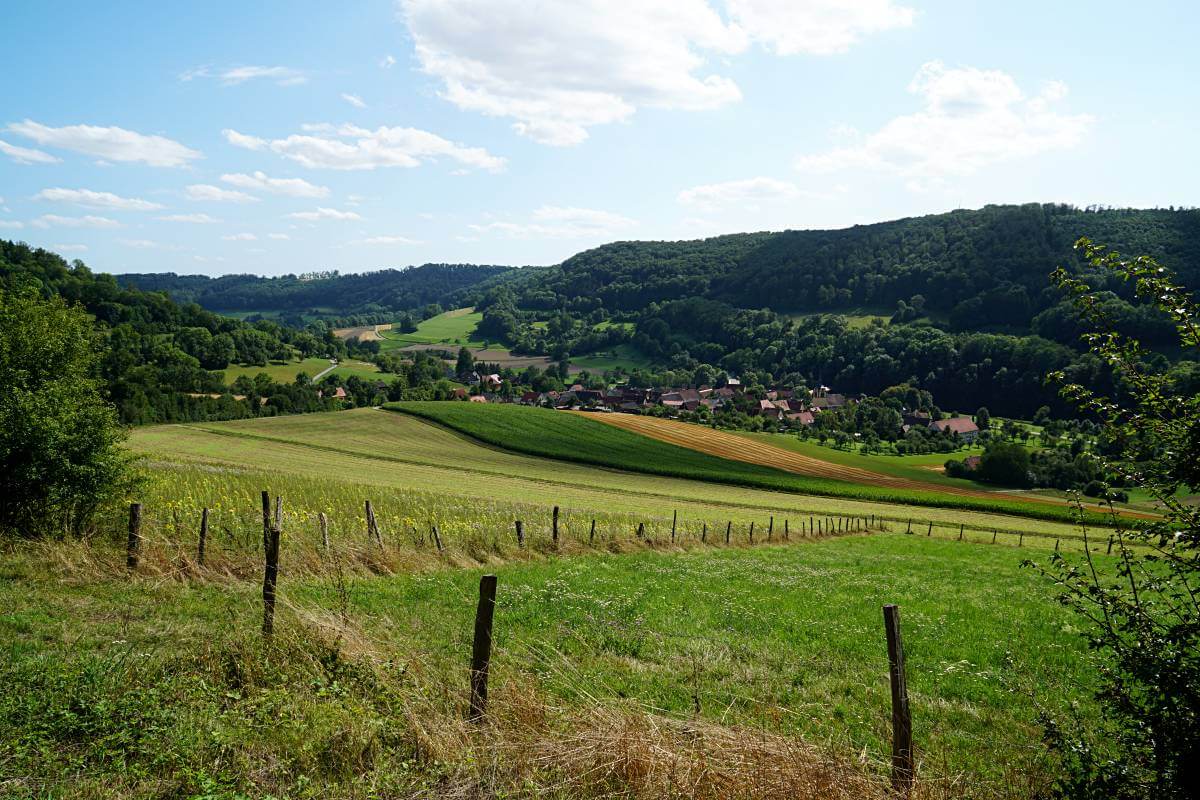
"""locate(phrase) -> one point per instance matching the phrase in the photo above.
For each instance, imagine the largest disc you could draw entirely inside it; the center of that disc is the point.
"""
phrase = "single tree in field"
(465, 364)
(1143, 609)
(983, 418)
(60, 442)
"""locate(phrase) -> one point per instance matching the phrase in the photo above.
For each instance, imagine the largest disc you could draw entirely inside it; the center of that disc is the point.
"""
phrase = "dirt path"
(728, 445)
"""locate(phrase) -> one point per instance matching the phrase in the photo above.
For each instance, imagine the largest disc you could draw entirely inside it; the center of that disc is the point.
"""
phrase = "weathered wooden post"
(554, 526)
(203, 537)
(266, 505)
(372, 527)
(520, 533)
(641, 532)
(930, 531)
(994, 532)
(1021, 539)
(270, 576)
(960, 533)
(786, 535)
(134, 545)
(751, 531)
(1056, 545)
(811, 531)
(437, 540)
(902, 755)
(674, 519)
(728, 530)
(1110, 544)
(770, 527)
(481, 649)
(704, 533)
(592, 532)
(909, 529)
(279, 511)
(323, 524)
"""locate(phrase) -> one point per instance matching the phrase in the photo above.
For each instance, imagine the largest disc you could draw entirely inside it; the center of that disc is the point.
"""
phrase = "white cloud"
(146, 244)
(240, 237)
(558, 69)
(278, 236)
(293, 187)
(11, 224)
(816, 27)
(323, 213)
(352, 148)
(970, 118)
(558, 222)
(242, 140)
(25, 155)
(748, 193)
(204, 191)
(231, 76)
(70, 248)
(354, 100)
(386, 240)
(88, 221)
(197, 219)
(91, 199)
(388, 61)
(109, 144)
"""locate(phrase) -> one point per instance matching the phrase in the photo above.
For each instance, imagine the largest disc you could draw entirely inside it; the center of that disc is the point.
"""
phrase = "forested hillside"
(331, 293)
(978, 268)
(161, 359)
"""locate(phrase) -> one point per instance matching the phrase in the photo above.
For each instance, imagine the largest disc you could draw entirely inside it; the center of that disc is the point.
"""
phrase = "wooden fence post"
(1056, 545)
(266, 504)
(704, 533)
(960, 532)
(1021, 540)
(270, 576)
(770, 527)
(751, 531)
(372, 527)
(279, 511)
(481, 649)
(1110, 543)
(810, 526)
(902, 755)
(134, 545)
(520, 533)
(994, 532)
(909, 529)
(930, 531)
(786, 535)
(641, 533)
(674, 519)
(554, 527)
(592, 532)
(728, 530)
(203, 537)
(437, 540)
(323, 523)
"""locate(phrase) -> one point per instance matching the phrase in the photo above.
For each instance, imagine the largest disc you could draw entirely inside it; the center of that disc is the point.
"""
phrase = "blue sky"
(282, 137)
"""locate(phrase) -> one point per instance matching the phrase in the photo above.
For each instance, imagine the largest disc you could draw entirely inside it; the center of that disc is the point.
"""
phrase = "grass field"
(596, 441)
(623, 356)
(382, 451)
(621, 667)
(280, 372)
(119, 687)
(453, 328)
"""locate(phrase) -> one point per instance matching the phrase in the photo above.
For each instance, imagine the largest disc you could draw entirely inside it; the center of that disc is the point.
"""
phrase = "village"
(777, 407)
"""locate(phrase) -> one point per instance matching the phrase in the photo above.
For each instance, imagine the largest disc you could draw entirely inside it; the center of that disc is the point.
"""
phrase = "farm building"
(963, 426)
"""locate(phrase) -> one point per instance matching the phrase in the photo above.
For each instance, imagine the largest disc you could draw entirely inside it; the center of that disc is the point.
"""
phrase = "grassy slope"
(455, 328)
(280, 373)
(379, 451)
(166, 681)
(547, 433)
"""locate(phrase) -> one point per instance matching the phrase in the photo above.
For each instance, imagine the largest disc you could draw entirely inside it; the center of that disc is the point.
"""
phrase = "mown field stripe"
(582, 439)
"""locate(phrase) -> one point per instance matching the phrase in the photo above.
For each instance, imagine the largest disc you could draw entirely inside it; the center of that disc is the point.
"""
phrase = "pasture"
(628, 665)
(455, 328)
(279, 371)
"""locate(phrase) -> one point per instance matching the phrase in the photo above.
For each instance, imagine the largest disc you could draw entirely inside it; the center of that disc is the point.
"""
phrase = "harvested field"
(739, 448)
(364, 333)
